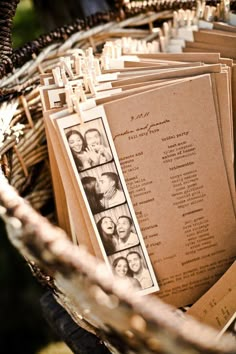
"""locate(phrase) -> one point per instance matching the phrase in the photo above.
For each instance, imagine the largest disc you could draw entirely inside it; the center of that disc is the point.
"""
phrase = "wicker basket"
(124, 321)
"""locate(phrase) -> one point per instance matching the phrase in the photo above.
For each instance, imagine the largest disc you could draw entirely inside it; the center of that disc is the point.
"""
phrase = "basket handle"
(7, 11)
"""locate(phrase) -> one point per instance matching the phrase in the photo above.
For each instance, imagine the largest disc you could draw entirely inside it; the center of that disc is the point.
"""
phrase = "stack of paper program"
(217, 307)
(164, 168)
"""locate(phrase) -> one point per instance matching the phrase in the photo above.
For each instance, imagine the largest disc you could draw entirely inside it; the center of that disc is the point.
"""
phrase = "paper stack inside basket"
(142, 156)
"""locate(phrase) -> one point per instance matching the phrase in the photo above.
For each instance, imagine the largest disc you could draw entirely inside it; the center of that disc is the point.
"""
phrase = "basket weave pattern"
(126, 322)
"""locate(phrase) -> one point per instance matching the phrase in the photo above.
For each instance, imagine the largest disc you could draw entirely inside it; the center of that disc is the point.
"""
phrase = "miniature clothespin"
(66, 66)
(155, 47)
(97, 67)
(200, 9)
(89, 58)
(118, 50)
(56, 72)
(89, 52)
(105, 62)
(163, 44)
(181, 14)
(188, 18)
(89, 82)
(80, 94)
(164, 40)
(175, 20)
(149, 48)
(226, 13)
(80, 102)
(76, 106)
(125, 44)
(133, 45)
(91, 86)
(64, 77)
(69, 94)
(166, 30)
(93, 75)
(77, 64)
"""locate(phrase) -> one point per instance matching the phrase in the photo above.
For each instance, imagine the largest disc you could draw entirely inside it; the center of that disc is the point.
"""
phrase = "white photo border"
(64, 122)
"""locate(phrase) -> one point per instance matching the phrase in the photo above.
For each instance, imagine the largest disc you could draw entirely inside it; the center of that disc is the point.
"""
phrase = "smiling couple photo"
(88, 148)
(117, 235)
(131, 266)
(103, 190)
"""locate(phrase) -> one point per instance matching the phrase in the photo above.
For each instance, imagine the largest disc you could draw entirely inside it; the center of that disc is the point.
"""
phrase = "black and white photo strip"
(116, 229)
(89, 144)
(102, 187)
(130, 264)
(95, 161)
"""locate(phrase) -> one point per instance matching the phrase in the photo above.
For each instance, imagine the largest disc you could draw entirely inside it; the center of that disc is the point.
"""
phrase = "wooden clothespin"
(64, 77)
(200, 9)
(56, 72)
(89, 58)
(85, 81)
(155, 47)
(132, 46)
(66, 66)
(117, 50)
(91, 86)
(181, 18)
(105, 62)
(80, 94)
(163, 46)
(166, 30)
(149, 47)
(226, 13)
(77, 64)
(89, 52)
(97, 67)
(188, 18)
(94, 75)
(106, 49)
(125, 44)
(76, 106)
(69, 94)
(80, 102)
(175, 20)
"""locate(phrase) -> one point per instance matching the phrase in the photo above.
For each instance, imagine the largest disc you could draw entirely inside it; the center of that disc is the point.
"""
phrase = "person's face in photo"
(105, 184)
(75, 143)
(121, 268)
(93, 139)
(108, 226)
(134, 262)
(123, 228)
(97, 188)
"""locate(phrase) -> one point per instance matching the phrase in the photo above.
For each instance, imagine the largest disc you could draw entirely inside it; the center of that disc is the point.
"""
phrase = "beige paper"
(216, 307)
(208, 58)
(170, 74)
(59, 193)
(186, 242)
(81, 223)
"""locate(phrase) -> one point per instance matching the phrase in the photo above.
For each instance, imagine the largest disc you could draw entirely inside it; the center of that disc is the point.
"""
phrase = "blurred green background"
(26, 25)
